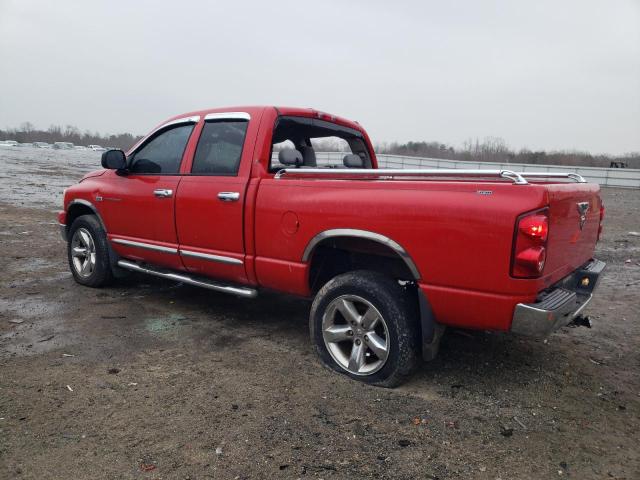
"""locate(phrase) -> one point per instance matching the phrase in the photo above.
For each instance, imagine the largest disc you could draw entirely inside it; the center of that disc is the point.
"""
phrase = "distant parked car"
(80, 147)
(97, 148)
(41, 145)
(8, 143)
(26, 144)
(63, 146)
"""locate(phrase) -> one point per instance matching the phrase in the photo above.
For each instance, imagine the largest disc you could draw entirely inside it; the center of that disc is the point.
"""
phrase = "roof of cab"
(293, 111)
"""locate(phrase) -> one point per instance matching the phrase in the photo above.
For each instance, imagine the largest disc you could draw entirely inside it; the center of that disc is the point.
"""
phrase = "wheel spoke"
(370, 319)
(86, 267)
(85, 238)
(356, 360)
(378, 345)
(348, 311)
(337, 333)
(79, 252)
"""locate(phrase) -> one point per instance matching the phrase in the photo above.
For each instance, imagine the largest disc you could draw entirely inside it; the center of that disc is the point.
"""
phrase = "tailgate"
(574, 220)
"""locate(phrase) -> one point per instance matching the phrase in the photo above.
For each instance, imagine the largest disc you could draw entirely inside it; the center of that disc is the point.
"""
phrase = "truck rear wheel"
(364, 325)
(88, 252)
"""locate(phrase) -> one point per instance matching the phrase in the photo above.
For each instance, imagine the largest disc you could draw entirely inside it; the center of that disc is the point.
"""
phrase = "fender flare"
(365, 234)
(86, 203)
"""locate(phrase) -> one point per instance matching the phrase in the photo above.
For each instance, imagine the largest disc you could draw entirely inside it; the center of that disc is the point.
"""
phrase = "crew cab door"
(139, 207)
(210, 202)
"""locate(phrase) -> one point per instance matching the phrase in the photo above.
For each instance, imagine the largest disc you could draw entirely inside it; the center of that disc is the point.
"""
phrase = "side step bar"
(245, 292)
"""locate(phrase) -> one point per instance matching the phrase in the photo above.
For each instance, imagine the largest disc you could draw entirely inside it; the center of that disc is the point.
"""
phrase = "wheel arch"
(363, 243)
(80, 207)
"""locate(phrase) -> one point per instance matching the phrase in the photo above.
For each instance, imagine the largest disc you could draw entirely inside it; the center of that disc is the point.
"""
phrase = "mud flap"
(113, 261)
(432, 331)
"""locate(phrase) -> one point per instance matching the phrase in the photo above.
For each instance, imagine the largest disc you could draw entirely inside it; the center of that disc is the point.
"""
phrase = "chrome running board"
(245, 292)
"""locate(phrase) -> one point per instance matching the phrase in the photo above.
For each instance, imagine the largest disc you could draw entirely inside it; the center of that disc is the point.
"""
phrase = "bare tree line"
(27, 133)
(493, 149)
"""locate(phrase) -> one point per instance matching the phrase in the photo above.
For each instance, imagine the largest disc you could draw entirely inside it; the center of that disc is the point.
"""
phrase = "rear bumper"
(559, 305)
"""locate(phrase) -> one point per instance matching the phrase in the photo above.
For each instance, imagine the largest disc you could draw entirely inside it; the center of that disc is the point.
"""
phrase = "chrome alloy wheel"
(83, 252)
(355, 335)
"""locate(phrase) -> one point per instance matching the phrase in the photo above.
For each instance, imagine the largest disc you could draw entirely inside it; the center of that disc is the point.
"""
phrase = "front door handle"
(163, 193)
(229, 196)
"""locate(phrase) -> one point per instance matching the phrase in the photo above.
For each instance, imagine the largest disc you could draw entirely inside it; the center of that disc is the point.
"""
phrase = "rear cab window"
(321, 144)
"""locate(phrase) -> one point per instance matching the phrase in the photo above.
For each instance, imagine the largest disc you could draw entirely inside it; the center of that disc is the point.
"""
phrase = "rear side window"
(220, 148)
(163, 153)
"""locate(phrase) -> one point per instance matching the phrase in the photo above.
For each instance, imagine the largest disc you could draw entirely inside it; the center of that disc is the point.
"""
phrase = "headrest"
(290, 156)
(353, 161)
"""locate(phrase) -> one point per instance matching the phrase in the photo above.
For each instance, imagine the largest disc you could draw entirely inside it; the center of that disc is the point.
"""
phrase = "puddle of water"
(34, 263)
(34, 306)
(163, 324)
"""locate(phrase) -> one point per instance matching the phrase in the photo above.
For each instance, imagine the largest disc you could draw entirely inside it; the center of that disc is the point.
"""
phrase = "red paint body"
(460, 241)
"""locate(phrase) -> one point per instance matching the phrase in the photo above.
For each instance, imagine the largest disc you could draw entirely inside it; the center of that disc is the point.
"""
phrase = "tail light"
(530, 244)
(601, 219)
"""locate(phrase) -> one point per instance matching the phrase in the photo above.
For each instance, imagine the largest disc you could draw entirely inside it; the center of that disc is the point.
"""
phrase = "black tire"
(100, 273)
(393, 302)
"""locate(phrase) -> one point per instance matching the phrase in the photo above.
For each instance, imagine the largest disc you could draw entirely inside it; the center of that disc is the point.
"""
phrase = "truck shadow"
(218, 314)
(491, 359)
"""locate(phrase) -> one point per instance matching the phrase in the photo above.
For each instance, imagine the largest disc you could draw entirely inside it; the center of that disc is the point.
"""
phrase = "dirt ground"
(152, 379)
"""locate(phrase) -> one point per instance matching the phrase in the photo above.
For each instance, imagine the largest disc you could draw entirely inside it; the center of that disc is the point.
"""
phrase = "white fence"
(611, 177)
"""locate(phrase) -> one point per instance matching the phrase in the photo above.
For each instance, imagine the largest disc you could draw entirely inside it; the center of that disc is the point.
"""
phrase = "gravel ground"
(151, 379)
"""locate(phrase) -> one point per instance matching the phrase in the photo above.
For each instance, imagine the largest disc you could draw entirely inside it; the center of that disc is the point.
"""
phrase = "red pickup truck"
(239, 200)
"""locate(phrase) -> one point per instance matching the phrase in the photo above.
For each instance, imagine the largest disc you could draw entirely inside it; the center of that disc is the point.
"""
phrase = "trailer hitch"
(582, 321)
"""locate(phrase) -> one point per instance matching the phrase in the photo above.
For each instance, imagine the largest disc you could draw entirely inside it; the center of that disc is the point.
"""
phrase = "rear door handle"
(229, 196)
(163, 193)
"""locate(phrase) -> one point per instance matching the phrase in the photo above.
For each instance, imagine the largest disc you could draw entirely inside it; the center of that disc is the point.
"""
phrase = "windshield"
(321, 144)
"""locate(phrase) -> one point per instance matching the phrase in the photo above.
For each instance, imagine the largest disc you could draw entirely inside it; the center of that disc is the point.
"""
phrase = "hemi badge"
(484, 192)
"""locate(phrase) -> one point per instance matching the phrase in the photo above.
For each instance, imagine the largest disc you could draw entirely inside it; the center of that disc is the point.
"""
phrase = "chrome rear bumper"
(559, 305)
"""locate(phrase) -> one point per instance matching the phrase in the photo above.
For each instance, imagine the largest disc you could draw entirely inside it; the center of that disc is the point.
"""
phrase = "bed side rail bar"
(518, 178)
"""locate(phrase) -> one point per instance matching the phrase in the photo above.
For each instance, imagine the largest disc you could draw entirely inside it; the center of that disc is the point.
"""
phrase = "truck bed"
(460, 229)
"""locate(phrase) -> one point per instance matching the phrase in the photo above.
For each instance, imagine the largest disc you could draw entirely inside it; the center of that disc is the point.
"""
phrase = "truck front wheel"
(88, 252)
(363, 324)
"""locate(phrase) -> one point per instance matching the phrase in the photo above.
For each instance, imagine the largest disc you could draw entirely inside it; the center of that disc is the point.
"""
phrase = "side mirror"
(290, 156)
(114, 160)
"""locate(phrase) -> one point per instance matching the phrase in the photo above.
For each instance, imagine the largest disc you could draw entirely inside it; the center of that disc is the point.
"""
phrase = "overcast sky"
(552, 74)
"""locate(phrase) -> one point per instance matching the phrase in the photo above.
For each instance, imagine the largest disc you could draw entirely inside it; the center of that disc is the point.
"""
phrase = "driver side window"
(163, 153)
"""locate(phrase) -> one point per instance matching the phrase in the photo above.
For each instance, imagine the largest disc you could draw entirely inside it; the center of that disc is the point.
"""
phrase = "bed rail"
(518, 178)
